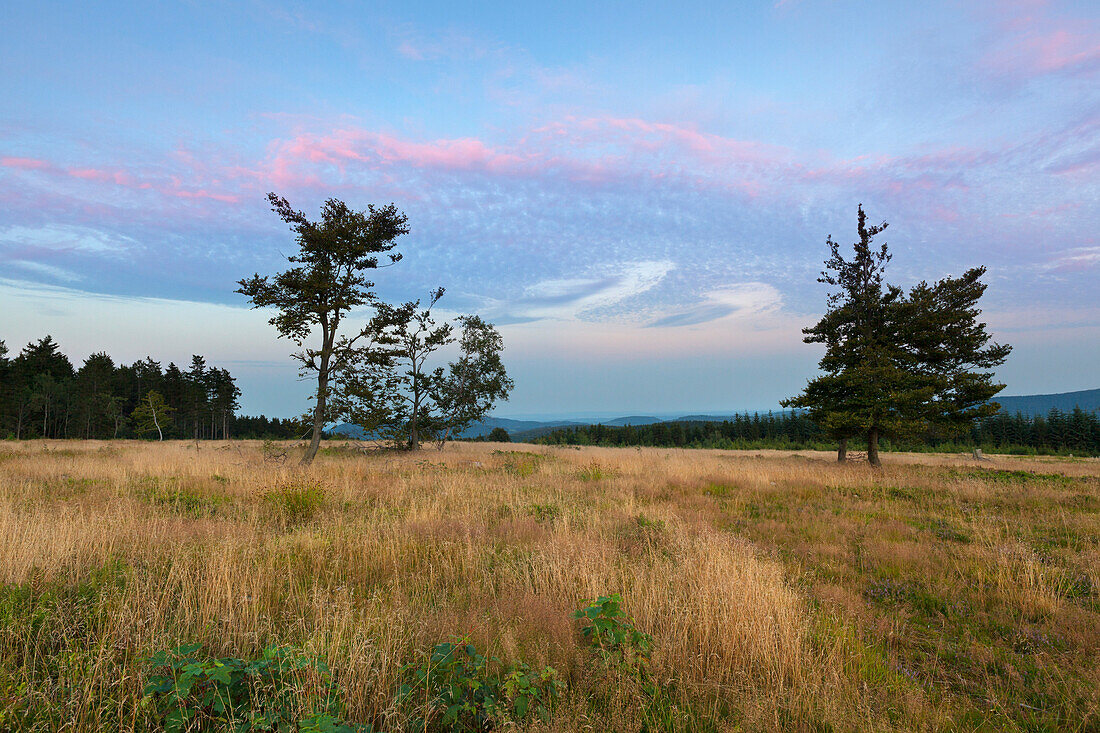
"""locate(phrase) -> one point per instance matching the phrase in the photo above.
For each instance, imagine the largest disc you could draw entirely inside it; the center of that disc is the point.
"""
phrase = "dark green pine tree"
(868, 387)
(898, 365)
(95, 381)
(41, 374)
(951, 351)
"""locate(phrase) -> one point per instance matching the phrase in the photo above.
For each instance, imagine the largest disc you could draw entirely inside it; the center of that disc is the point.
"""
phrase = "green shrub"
(166, 492)
(1006, 476)
(719, 491)
(281, 691)
(273, 452)
(594, 472)
(520, 463)
(612, 634)
(544, 513)
(296, 502)
(458, 689)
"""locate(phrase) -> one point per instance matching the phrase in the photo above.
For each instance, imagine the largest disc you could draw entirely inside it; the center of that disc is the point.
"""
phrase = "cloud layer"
(664, 183)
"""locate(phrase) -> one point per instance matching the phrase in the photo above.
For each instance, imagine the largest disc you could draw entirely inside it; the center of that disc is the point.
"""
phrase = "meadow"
(760, 590)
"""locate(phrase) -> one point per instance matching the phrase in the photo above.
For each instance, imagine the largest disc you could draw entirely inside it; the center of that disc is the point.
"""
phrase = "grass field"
(781, 591)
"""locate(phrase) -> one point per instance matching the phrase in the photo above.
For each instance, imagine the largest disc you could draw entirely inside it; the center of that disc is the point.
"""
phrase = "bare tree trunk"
(153, 409)
(319, 407)
(414, 427)
(872, 448)
(842, 451)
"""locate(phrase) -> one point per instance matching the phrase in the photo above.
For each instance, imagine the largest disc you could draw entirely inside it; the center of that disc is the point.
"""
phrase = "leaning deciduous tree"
(470, 386)
(326, 283)
(393, 393)
(151, 414)
(415, 336)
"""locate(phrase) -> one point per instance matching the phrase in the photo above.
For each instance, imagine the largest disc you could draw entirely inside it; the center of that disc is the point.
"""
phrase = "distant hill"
(348, 430)
(632, 420)
(1041, 404)
(478, 429)
(484, 427)
(526, 430)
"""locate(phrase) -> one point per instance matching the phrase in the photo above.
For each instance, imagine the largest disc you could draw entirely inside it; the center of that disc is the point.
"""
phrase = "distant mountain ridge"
(478, 429)
(1041, 404)
(524, 430)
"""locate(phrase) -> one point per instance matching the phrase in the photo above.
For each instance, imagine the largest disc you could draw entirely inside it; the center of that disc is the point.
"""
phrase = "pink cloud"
(1060, 50)
(27, 164)
(172, 187)
(1034, 43)
(377, 150)
(203, 194)
(410, 51)
(612, 154)
(449, 45)
(120, 178)
(608, 151)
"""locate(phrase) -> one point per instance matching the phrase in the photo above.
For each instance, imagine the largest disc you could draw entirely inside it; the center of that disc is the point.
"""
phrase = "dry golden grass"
(783, 592)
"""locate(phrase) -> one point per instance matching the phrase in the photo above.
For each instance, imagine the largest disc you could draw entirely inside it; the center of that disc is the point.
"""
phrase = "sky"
(637, 194)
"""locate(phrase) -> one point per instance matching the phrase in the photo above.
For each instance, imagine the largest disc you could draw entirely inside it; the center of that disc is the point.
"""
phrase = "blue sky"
(638, 194)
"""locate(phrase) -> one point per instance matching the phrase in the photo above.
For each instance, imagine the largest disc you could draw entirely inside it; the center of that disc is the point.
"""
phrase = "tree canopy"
(43, 395)
(328, 281)
(896, 364)
(395, 392)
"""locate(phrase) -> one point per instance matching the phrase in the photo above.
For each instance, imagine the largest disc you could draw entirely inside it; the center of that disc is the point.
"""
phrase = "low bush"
(281, 691)
(594, 472)
(296, 502)
(458, 689)
(612, 634)
(544, 513)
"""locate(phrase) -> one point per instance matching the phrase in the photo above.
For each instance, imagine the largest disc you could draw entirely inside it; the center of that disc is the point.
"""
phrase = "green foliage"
(612, 634)
(593, 472)
(520, 463)
(281, 691)
(898, 364)
(718, 491)
(296, 502)
(458, 689)
(470, 386)
(188, 502)
(498, 435)
(152, 414)
(1058, 433)
(397, 396)
(1004, 476)
(544, 513)
(327, 281)
(273, 452)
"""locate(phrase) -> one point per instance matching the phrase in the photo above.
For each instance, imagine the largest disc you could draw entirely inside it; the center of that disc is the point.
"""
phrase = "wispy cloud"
(734, 301)
(450, 44)
(64, 238)
(1033, 41)
(578, 298)
(1078, 258)
(164, 185)
(41, 269)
